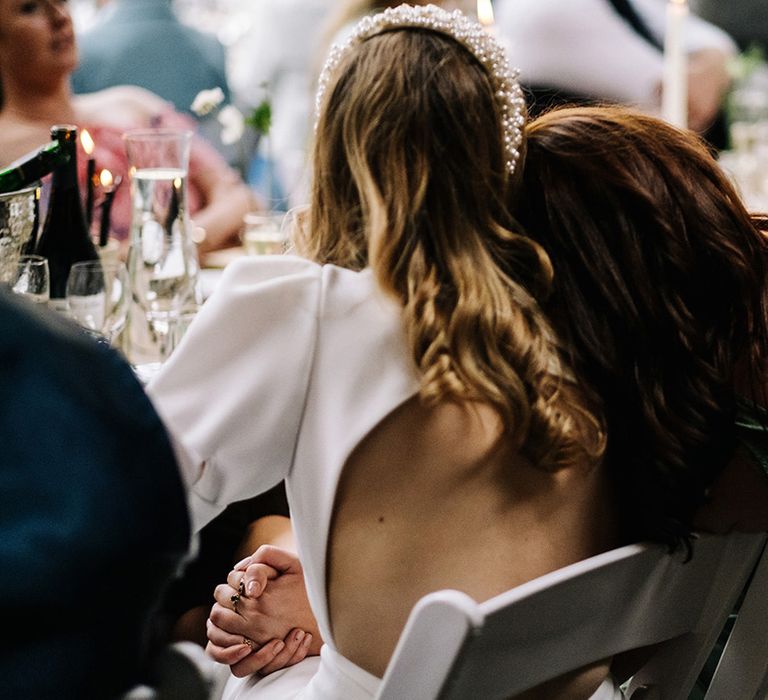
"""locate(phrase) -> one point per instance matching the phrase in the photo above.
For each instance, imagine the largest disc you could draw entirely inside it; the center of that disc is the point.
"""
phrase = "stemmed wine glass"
(32, 279)
(98, 298)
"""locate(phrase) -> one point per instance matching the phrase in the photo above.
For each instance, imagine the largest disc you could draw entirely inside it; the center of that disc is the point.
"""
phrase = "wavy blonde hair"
(409, 178)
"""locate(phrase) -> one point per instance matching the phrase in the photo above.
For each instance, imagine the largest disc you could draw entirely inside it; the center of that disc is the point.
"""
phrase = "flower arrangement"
(229, 117)
(256, 165)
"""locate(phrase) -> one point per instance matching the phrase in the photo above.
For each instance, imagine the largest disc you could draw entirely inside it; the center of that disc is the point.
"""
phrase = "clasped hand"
(261, 621)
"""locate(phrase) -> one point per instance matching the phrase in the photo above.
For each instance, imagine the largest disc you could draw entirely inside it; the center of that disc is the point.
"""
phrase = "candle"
(485, 14)
(109, 187)
(674, 91)
(87, 143)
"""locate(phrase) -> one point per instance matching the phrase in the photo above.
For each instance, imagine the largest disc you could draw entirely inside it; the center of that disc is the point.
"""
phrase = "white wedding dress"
(286, 369)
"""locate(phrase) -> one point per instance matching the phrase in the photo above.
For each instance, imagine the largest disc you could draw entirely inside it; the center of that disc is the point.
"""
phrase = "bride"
(399, 375)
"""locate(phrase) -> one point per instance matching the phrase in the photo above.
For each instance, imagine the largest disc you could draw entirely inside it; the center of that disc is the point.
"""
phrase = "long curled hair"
(409, 178)
(659, 297)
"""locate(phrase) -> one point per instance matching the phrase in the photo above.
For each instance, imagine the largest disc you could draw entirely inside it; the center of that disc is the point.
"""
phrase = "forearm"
(275, 530)
(222, 216)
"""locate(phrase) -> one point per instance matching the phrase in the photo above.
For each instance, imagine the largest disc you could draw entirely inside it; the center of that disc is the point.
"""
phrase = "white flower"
(206, 101)
(232, 124)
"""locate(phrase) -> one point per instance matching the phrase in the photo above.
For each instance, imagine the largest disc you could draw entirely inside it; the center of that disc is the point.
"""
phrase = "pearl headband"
(487, 51)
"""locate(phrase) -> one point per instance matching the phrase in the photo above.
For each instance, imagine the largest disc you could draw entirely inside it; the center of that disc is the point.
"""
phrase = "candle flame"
(105, 178)
(485, 12)
(86, 141)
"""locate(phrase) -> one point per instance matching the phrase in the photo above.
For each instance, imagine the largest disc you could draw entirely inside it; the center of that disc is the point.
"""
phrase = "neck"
(51, 106)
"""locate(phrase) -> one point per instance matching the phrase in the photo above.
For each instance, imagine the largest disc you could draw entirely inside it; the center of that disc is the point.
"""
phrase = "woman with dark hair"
(659, 301)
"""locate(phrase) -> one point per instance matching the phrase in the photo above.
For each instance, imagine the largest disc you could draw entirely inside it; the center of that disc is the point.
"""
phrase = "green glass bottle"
(65, 239)
(33, 166)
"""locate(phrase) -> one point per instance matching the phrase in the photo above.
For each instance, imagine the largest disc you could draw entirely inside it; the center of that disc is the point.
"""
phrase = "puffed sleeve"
(233, 393)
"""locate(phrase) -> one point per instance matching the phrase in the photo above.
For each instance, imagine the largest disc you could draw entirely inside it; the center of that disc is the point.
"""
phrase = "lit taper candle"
(485, 14)
(90, 174)
(674, 91)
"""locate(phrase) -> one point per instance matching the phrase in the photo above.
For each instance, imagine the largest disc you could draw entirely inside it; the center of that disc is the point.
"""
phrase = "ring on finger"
(249, 643)
(241, 586)
(234, 599)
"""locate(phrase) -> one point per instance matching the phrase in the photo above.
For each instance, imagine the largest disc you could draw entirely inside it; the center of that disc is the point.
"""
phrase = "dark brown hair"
(658, 296)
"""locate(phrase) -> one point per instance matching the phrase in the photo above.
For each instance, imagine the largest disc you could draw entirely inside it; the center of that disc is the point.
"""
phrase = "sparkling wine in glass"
(98, 298)
(263, 233)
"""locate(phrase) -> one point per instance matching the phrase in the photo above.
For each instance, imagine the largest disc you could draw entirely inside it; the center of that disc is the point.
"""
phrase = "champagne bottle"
(65, 238)
(33, 166)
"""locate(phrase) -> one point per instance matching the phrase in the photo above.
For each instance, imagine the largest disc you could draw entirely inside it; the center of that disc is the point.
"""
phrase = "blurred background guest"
(745, 20)
(612, 50)
(38, 53)
(275, 60)
(278, 59)
(349, 12)
(142, 42)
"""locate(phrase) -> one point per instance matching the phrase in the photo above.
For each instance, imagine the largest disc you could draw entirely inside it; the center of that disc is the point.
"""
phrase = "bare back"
(426, 503)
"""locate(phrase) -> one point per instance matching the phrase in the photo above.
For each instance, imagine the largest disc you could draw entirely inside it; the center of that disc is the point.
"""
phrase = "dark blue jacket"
(93, 518)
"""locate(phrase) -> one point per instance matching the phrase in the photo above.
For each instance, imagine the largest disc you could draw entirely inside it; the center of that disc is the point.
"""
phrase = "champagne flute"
(98, 298)
(32, 279)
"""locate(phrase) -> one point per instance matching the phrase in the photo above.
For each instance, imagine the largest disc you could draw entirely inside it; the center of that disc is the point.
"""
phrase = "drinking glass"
(32, 278)
(98, 298)
(162, 262)
(294, 221)
(263, 233)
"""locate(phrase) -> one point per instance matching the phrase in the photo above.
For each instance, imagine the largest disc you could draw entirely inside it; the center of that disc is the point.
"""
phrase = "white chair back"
(743, 668)
(453, 648)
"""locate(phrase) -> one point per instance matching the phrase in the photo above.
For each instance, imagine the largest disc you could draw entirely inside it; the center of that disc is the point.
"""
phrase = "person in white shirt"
(611, 50)
(276, 59)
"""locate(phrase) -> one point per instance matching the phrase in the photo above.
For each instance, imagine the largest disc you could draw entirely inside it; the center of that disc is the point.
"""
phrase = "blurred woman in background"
(38, 53)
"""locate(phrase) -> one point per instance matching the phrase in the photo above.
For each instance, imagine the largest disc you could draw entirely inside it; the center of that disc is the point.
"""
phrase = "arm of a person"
(272, 605)
(233, 392)
(226, 200)
(709, 49)
(708, 83)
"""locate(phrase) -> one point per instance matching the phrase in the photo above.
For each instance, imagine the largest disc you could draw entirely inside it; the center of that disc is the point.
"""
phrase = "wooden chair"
(453, 648)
